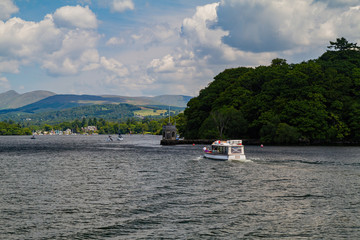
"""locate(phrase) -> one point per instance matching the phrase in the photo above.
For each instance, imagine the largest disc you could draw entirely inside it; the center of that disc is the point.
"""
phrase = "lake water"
(82, 187)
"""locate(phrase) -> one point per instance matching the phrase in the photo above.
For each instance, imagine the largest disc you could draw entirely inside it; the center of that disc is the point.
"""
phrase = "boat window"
(215, 148)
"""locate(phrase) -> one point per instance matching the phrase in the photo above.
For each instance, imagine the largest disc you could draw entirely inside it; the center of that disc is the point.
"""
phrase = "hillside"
(60, 102)
(41, 101)
(68, 107)
(12, 99)
(110, 112)
(317, 101)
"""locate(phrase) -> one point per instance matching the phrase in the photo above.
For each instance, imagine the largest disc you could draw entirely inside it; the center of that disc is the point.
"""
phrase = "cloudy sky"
(154, 47)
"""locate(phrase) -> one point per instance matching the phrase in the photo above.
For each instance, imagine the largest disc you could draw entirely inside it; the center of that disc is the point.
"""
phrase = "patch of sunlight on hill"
(150, 112)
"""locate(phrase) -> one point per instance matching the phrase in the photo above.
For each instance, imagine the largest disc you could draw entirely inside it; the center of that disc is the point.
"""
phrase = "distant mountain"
(60, 102)
(40, 101)
(12, 99)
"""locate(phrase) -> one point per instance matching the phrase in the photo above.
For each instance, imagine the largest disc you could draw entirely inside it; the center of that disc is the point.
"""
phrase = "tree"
(342, 44)
(83, 122)
(47, 127)
(221, 118)
(286, 134)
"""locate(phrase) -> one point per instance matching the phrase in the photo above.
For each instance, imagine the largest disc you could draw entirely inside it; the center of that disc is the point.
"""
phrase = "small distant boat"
(226, 150)
(120, 137)
(109, 139)
(33, 137)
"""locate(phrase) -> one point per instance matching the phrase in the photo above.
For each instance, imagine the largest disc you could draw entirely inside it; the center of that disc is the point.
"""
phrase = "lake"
(82, 187)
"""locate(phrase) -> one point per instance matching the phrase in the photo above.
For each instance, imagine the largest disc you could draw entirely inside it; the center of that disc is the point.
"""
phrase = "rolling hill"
(12, 99)
(70, 106)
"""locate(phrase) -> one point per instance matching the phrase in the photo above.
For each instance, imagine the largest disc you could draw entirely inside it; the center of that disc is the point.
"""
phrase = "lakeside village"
(89, 130)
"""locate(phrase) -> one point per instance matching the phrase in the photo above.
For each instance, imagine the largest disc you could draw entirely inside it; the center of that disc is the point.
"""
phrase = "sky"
(156, 47)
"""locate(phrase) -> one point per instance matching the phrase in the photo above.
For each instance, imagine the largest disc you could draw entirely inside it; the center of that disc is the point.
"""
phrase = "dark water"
(81, 187)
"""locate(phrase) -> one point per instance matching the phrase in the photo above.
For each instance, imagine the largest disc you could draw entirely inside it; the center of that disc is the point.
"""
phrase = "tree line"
(317, 101)
(147, 125)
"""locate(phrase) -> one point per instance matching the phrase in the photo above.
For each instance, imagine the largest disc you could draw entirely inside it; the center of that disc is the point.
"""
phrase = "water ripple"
(81, 187)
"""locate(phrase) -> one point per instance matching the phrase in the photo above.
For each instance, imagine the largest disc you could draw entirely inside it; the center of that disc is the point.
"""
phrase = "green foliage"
(317, 101)
(342, 44)
(10, 128)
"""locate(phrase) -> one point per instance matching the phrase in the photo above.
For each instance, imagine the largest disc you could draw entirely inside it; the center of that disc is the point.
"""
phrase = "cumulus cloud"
(114, 66)
(75, 17)
(78, 49)
(27, 40)
(165, 64)
(205, 40)
(339, 3)
(7, 8)
(347, 24)
(4, 84)
(122, 5)
(115, 41)
(262, 26)
(280, 25)
(11, 66)
(58, 49)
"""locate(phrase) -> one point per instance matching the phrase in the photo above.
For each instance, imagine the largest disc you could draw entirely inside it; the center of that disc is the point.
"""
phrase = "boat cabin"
(226, 150)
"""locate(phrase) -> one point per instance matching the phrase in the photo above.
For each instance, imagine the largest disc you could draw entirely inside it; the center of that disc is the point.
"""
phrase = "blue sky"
(149, 48)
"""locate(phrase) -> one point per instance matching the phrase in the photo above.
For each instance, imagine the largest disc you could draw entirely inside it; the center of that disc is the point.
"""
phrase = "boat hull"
(223, 157)
(216, 156)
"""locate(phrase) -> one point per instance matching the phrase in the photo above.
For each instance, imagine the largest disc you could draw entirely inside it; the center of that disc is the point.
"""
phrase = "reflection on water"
(82, 187)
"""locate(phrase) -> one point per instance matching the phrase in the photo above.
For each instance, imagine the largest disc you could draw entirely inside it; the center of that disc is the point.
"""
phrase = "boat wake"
(198, 158)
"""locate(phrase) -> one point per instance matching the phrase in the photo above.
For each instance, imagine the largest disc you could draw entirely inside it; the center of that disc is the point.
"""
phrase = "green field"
(150, 112)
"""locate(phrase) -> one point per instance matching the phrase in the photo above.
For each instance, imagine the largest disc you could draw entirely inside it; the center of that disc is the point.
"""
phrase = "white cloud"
(347, 24)
(166, 64)
(59, 50)
(263, 26)
(154, 35)
(171, 54)
(114, 66)
(340, 3)
(78, 50)
(11, 66)
(4, 84)
(28, 40)
(197, 27)
(115, 41)
(7, 7)
(75, 17)
(281, 26)
(122, 5)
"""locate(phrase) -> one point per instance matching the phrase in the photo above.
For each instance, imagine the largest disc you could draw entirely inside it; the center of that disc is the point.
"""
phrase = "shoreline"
(255, 142)
(204, 141)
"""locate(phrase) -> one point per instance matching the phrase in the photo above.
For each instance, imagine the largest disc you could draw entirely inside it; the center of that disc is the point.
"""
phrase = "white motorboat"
(226, 150)
(120, 137)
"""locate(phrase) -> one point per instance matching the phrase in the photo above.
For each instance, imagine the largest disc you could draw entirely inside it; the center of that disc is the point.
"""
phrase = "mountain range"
(38, 101)
(44, 104)
(12, 99)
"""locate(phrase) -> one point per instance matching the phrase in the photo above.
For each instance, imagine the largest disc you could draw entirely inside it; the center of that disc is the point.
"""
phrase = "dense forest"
(317, 101)
(147, 125)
